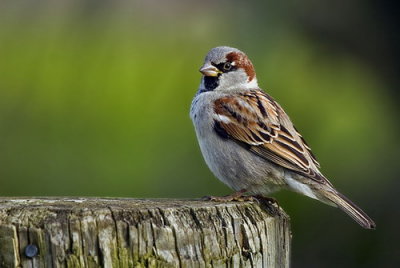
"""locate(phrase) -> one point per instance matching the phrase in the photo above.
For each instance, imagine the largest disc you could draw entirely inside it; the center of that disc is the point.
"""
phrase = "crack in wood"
(103, 232)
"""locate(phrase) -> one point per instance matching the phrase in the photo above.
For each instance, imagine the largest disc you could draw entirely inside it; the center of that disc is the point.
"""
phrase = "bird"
(249, 142)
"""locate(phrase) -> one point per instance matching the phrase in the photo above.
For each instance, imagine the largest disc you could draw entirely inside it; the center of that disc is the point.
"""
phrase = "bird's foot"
(267, 199)
(236, 196)
(269, 204)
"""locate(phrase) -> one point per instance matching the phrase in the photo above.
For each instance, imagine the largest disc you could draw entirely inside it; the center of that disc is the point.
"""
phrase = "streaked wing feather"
(273, 157)
(255, 119)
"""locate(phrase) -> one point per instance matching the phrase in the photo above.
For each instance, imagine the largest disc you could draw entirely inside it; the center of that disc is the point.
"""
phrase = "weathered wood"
(101, 232)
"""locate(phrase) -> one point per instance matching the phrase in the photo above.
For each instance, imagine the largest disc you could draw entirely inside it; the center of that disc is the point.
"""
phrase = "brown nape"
(242, 61)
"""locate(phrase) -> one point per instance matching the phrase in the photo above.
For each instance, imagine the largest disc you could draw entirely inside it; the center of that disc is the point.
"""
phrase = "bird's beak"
(209, 70)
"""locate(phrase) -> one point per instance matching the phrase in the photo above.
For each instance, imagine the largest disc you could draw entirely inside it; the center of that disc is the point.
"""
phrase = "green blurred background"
(95, 96)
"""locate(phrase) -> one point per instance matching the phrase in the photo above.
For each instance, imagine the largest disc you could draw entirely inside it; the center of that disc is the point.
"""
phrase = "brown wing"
(257, 121)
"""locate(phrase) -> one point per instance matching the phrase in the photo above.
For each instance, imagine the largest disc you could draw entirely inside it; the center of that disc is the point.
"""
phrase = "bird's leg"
(236, 196)
(267, 199)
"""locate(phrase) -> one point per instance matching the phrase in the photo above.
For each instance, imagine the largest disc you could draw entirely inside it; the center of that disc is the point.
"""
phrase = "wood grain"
(110, 232)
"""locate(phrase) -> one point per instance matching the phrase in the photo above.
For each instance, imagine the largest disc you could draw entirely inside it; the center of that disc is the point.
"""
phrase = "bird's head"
(227, 68)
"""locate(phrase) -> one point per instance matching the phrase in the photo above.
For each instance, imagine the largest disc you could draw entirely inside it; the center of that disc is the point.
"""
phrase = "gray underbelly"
(240, 168)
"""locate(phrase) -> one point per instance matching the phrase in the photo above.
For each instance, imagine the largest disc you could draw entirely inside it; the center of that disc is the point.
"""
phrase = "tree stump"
(122, 232)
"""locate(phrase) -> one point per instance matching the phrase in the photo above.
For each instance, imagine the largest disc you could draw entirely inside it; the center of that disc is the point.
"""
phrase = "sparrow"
(249, 142)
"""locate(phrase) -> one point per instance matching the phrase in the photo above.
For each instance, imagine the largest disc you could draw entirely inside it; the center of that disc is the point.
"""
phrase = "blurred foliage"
(95, 95)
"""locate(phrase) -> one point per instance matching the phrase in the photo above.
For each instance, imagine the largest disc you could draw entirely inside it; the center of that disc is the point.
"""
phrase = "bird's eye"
(227, 66)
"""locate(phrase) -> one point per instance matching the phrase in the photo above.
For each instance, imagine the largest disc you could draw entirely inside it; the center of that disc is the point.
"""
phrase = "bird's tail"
(350, 208)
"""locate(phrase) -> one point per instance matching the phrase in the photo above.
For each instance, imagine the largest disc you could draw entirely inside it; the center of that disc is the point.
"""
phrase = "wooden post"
(108, 232)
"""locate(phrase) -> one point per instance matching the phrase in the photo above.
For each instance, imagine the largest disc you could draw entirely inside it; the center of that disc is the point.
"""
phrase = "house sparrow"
(249, 142)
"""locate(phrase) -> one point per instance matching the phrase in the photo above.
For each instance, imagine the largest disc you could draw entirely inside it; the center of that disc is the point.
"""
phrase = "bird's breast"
(201, 114)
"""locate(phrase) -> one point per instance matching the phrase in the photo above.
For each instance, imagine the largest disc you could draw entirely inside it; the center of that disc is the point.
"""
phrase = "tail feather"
(351, 209)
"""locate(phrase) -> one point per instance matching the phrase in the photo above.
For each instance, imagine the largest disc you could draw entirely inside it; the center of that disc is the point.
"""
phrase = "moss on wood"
(108, 232)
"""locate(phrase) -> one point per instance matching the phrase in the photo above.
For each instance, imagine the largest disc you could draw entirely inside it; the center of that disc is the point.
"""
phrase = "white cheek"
(236, 80)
